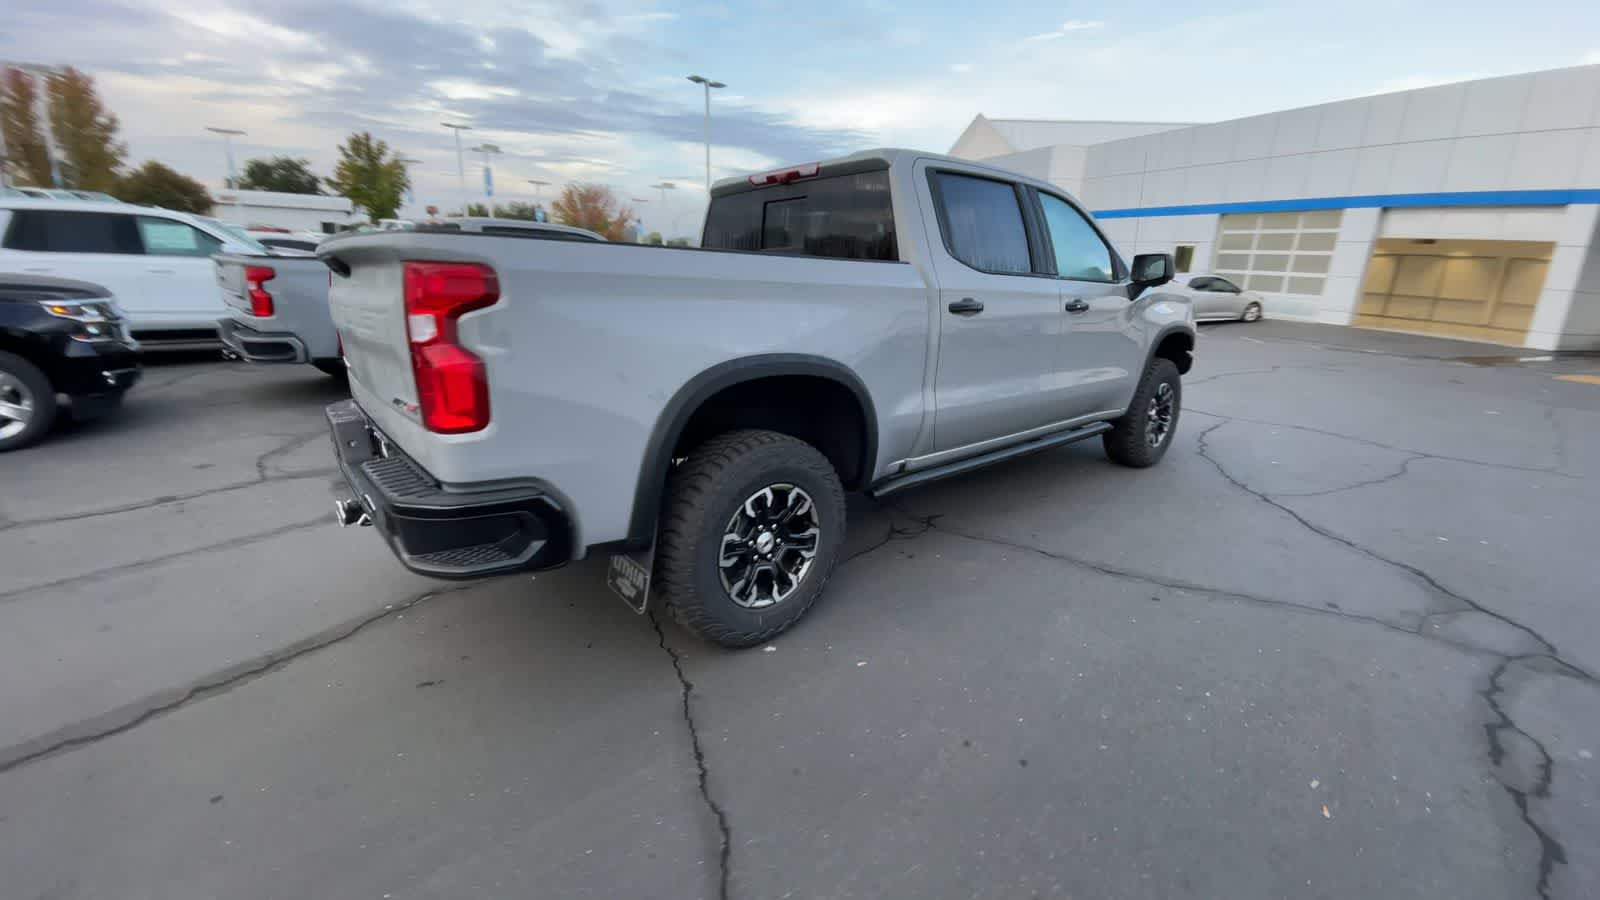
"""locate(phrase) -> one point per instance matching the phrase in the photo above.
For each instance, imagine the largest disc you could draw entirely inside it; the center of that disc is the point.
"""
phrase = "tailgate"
(230, 280)
(368, 307)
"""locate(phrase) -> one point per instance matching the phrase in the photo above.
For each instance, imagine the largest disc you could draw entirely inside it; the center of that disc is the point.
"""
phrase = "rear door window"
(982, 223)
(840, 216)
(65, 231)
(166, 237)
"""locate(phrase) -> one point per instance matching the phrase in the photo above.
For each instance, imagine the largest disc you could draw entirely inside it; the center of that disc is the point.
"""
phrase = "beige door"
(1482, 290)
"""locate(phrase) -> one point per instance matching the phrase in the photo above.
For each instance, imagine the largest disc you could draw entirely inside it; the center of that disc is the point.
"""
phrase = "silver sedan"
(1216, 298)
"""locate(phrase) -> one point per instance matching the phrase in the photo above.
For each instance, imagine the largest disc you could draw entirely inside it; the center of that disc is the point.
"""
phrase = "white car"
(1217, 299)
(306, 241)
(156, 262)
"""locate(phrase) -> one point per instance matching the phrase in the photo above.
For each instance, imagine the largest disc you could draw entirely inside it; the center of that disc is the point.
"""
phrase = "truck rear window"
(842, 216)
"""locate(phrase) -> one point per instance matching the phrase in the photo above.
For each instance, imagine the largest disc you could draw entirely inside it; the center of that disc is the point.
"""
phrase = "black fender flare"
(1184, 329)
(677, 412)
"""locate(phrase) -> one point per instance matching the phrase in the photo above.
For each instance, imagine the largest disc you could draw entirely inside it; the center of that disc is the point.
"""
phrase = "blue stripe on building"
(1388, 201)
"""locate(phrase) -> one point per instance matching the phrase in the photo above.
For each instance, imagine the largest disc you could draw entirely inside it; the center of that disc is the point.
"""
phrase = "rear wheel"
(27, 402)
(751, 531)
(1141, 437)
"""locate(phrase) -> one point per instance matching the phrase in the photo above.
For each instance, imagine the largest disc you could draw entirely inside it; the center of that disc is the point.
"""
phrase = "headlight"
(81, 311)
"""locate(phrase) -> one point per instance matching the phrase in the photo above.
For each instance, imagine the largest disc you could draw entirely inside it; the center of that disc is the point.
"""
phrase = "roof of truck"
(894, 156)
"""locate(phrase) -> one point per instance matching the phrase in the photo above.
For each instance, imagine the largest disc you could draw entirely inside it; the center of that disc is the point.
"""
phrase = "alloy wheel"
(769, 545)
(16, 405)
(1158, 424)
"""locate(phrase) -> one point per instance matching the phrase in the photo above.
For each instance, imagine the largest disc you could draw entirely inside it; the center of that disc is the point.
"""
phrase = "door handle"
(966, 306)
(40, 269)
(156, 271)
(1077, 305)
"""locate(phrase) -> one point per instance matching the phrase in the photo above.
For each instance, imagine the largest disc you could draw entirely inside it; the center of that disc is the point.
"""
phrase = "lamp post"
(488, 175)
(406, 162)
(228, 135)
(461, 166)
(708, 84)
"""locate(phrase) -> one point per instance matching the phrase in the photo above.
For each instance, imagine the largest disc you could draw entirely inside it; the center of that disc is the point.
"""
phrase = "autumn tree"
(594, 207)
(85, 132)
(29, 158)
(154, 184)
(285, 174)
(370, 176)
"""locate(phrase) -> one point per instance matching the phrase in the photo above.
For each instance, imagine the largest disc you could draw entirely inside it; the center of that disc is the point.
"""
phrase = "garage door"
(1482, 290)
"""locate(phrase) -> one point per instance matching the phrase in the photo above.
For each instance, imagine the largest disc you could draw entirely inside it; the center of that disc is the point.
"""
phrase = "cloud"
(1067, 28)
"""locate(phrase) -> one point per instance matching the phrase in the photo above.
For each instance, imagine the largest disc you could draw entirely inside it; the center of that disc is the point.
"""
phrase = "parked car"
(1217, 299)
(94, 195)
(46, 193)
(278, 307)
(59, 338)
(156, 262)
(283, 239)
(868, 323)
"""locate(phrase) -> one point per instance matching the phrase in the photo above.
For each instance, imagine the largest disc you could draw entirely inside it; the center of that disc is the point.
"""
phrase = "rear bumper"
(446, 531)
(260, 346)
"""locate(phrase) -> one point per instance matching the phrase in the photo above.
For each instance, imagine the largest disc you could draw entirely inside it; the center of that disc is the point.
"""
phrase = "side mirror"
(1150, 270)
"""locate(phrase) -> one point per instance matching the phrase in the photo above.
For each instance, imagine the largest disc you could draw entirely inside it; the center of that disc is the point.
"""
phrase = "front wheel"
(27, 402)
(1141, 437)
(1252, 313)
(751, 530)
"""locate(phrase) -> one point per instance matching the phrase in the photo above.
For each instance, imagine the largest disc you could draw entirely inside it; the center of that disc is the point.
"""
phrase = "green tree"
(678, 242)
(594, 207)
(285, 174)
(527, 212)
(29, 158)
(154, 184)
(654, 238)
(370, 176)
(477, 209)
(85, 133)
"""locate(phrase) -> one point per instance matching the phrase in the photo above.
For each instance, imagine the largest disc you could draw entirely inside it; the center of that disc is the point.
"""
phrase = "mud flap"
(629, 577)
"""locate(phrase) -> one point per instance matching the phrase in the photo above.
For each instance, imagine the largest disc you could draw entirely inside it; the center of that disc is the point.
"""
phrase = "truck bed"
(300, 330)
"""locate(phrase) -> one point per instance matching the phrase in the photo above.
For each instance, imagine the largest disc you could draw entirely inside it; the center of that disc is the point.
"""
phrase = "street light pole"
(228, 134)
(708, 84)
(461, 166)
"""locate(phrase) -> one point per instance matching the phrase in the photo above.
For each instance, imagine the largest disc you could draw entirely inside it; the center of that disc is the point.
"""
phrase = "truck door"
(999, 319)
(1099, 355)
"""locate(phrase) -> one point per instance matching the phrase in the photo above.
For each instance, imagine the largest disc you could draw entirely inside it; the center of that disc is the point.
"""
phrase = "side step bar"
(1049, 441)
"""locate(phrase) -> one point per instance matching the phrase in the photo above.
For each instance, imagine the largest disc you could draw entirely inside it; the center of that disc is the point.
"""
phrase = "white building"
(1466, 209)
(296, 212)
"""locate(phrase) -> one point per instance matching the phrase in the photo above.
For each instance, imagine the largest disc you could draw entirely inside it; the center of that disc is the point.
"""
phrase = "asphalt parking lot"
(1341, 643)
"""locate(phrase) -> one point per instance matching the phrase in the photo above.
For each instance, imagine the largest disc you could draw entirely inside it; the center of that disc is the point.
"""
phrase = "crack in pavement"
(131, 716)
(229, 544)
(262, 477)
(724, 831)
(1402, 471)
(1542, 470)
(1550, 850)
(1188, 383)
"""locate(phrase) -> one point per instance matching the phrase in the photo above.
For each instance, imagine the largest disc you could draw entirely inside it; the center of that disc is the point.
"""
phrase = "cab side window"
(165, 237)
(982, 223)
(1080, 254)
(64, 231)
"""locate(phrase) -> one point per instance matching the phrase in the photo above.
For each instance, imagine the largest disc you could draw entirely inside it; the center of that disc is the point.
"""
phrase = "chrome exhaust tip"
(350, 512)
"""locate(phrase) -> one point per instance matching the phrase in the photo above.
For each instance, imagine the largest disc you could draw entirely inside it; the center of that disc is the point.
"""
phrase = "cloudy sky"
(594, 90)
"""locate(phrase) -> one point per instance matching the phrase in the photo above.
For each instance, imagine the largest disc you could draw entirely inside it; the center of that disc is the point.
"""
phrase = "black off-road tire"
(702, 494)
(42, 395)
(1128, 442)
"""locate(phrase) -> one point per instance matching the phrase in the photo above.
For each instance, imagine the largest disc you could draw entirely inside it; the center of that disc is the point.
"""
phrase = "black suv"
(58, 337)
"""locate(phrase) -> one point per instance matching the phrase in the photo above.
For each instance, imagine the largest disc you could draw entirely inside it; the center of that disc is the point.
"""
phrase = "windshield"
(239, 234)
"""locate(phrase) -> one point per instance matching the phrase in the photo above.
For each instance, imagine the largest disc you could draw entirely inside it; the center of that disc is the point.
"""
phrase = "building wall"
(1514, 158)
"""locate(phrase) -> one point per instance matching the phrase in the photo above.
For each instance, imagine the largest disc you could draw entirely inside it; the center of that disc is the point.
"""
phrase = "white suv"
(156, 262)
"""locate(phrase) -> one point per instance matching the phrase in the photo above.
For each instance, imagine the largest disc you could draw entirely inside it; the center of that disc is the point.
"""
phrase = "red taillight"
(785, 176)
(452, 388)
(255, 279)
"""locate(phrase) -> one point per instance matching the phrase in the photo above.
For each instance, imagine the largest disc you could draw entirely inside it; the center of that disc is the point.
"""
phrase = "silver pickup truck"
(868, 323)
(277, 306)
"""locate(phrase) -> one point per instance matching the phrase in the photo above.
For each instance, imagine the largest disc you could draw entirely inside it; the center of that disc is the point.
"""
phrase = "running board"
(923, 476)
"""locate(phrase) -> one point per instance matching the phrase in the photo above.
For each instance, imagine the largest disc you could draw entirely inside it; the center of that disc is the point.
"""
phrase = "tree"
(678, 242)
(594, 207)
(477, 209)
(653, 238)
(527, 212)
(153, 184)
(370, 176)
(19, 125)
(285, 174)
(85, 133)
